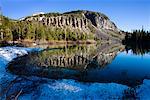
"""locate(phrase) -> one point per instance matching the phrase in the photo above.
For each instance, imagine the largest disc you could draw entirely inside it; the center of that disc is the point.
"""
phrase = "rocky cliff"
(83, 21)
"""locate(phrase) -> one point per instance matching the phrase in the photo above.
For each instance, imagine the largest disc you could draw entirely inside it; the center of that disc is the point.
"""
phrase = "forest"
(138, 41)
(12, 30)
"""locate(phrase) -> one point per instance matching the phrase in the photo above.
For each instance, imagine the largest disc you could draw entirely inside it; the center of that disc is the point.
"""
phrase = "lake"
(105, 63)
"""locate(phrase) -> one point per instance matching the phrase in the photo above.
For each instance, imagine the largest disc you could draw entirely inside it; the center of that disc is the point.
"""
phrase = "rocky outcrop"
(84, 21)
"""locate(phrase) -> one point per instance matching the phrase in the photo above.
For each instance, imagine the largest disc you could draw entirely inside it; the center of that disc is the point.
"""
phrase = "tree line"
(12, 30)
(138, 41)
(138, 36)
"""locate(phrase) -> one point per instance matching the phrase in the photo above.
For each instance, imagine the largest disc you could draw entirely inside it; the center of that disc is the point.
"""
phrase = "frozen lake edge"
(59, 89)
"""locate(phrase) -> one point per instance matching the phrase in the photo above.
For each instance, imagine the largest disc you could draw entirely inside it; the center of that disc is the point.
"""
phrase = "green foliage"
(138, 41)
(25, 30)
(52, 14)
(138, 36)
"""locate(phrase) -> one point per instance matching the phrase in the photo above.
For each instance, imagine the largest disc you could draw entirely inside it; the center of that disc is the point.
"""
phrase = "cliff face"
(84, 21)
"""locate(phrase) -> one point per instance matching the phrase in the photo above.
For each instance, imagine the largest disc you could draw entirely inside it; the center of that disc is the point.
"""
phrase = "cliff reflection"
(69, 62)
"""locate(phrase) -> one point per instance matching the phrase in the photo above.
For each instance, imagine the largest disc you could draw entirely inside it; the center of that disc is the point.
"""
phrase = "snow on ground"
(56, 89)
(72, 90)
(143, 91)
(9, 53)
(45, 89)
(6, 55)
(69, 89)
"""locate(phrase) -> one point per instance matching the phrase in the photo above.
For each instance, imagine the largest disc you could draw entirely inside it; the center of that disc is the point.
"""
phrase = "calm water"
(87, 63)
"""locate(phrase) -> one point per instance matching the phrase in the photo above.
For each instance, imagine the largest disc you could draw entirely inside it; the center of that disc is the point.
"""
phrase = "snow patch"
(9, 53)
(63, 89)
(69, 89)
(143, 92)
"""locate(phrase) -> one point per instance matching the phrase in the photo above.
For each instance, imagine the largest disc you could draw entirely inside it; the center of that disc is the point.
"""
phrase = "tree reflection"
(66, 62)
(138, 41)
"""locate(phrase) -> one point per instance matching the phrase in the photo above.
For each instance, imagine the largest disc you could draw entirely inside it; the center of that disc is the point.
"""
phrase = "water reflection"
(139, 48)
(73, 57)
(87, 63)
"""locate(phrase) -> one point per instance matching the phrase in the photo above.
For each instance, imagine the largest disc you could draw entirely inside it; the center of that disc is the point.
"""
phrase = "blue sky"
(127, 14)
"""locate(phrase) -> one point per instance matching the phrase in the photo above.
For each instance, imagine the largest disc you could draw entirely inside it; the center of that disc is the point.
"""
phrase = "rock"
(85, 21)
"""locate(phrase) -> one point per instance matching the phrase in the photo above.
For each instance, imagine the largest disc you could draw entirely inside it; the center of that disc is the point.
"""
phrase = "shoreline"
(35, 43)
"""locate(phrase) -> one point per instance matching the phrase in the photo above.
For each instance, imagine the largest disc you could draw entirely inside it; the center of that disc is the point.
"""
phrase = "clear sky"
(127, 14)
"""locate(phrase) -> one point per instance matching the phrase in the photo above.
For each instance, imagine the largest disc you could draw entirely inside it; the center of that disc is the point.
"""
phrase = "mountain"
(82, 21)
(70, 26)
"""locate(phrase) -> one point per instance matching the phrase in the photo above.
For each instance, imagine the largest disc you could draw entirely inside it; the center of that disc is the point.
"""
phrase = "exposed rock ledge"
(83, 21)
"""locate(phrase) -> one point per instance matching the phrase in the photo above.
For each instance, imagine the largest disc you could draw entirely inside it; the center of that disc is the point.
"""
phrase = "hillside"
(70, 26)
